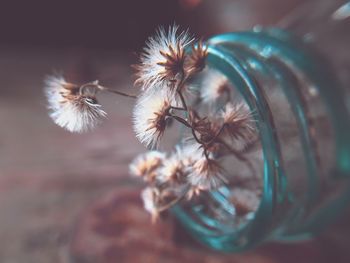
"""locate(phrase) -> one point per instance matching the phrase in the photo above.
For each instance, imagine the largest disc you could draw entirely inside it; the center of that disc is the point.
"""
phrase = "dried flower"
(145, 165)
(196, 61)
(163, 57)
(151, 114)
(206, 174)
(71, 108)
(214, 85)
(238, 121)
(207, 130)
(172, 170)
(189, 152)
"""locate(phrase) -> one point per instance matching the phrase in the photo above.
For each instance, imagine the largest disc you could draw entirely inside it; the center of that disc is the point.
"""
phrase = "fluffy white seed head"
(238, 120)
(214, 85)
(146, 164)
(69, 108)
(163, 57)
(150, 115)
(206, 174)
(172, 170)
(189, 153)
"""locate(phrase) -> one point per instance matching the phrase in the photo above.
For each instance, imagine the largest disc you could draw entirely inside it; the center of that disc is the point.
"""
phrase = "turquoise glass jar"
(301, 109)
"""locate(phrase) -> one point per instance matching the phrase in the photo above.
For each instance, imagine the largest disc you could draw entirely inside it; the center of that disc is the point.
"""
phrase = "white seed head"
(189, 153)
(206, 174)
(238, 120)
(162, 57)
(68, 108)
(172, 170)
(146, 164)
(151, 114)
(214, 85)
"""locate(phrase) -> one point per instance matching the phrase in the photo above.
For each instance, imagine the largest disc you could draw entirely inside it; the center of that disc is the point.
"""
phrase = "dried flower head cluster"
(168, 65)
(163, 58)
(181, 175)
(151, 114)
(215, 86)
(73, 107)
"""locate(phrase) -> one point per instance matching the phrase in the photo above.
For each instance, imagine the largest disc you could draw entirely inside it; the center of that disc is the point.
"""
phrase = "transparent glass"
(296, 82)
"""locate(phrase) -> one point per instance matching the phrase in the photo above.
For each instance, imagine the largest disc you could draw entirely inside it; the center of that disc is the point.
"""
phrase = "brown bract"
(174, 64)
(68, 92)
(159, 120)
(196, 60)
(238, 121)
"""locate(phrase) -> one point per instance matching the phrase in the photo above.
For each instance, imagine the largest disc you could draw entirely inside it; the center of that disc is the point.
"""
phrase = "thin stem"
(217, 134)
(181, 120)
(116, 92)
(97, 87)
(195, 136)
(206, 154)
(183, 102)
(179, 91)
(93, 85)
(177, 108)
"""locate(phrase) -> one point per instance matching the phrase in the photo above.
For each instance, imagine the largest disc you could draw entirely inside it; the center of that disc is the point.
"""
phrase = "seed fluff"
(146, 164)
(70, 108)
(172, 170)
(206, 174)
(238, 121)
(163, 57)
(150, 116)
(214, 85)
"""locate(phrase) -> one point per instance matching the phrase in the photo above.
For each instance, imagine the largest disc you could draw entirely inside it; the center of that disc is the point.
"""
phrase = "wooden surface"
(68, 198)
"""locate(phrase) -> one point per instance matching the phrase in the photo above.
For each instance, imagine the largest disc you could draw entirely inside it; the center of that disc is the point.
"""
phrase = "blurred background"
(67, 197)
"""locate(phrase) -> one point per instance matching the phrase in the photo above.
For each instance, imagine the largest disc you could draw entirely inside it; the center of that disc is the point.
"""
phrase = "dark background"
(88, 24)
(125, 24)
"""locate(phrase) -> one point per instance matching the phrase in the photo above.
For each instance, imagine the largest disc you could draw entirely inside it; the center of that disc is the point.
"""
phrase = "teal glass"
(305, 147)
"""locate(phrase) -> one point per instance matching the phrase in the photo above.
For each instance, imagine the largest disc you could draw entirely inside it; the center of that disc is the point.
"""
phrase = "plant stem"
(183, 102)
(116, 92)
(178, 108)
(181, 120)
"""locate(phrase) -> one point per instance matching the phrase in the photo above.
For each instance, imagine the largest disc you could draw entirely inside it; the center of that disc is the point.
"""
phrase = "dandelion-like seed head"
(238, 121)
(206, 128)
(145, 165)
(189, 153)
(214, 86)
(172, 170)
(196, 61)
(163, 58)
(70, 107)
(150, 116)
(206, 174)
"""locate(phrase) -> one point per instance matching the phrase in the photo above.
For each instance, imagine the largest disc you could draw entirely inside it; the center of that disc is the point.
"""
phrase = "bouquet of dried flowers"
(176, 86)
